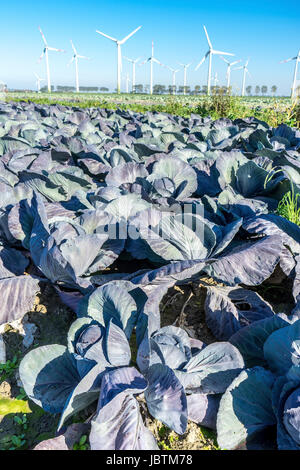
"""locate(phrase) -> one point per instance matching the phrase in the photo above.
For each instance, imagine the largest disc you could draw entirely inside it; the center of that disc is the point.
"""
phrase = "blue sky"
(266, 31)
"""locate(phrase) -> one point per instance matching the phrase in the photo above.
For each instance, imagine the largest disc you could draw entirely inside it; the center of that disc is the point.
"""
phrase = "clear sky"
(265, 31)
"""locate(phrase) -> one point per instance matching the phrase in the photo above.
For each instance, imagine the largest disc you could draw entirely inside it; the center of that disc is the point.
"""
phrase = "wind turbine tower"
(245, 71)
(173, 78)
(211, 51)
(133, 62)
(297, 60)
(152, 59)
(119, 44)
(185, 66)
(228, 72)
(38, 82)
(75, 58)
(45, 53)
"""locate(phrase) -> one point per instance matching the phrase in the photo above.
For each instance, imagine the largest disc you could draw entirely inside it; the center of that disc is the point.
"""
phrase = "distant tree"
(180, 89)
(264, 89)
(45, 88)
(147, 89)
(197, 89)
(187, 90)
(204, 90)
(274, 89)
(248, 89)
(172, 89)
(88, 89)
(257, 90)
(222, 90)
(104, 89)
(159, 89)
(138, 89)
(65, 89)
(215, 90)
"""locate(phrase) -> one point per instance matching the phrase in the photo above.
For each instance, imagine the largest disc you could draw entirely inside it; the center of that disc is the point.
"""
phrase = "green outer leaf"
(9, 405)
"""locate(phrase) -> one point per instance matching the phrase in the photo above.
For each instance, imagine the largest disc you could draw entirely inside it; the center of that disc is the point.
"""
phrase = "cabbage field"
(150, 280)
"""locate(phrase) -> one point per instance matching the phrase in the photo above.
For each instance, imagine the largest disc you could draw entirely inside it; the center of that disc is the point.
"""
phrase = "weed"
(17, 442)
(8, 368)
(82, 444)
(22, 395)
(289, 208)
(21, 421)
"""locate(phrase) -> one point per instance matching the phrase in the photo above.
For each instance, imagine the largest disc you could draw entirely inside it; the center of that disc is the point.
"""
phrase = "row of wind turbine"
(151, 60)
(209, 54)
(47, 48)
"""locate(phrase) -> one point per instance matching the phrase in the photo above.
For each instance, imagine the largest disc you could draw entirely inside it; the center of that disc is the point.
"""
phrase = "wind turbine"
(152, 59)
(38, 82)
(45, 52)
(244, 67)
(297, 59)
(185, 66)
(75, 58)
(134, 62)
(209, 54)
(173, 78)
(216, 80)
(127, 80)
(119, 44)
(228, 72)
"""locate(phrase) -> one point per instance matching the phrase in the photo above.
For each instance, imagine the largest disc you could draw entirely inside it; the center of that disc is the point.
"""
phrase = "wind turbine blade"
(36, 75)
(44, 39)
(70, 62)
(221, 52)
(161, 64)
(236, 62)
(126, 58)
(73, 47)
(56, 50)
(287, 60)
(144, 61)
(247, 63)
(129, 35)
(225, 60)
(106, 36)
(207, 37)
(248, 73)
(202, 60)
(239, 68)
(41, 56)
(83, 57)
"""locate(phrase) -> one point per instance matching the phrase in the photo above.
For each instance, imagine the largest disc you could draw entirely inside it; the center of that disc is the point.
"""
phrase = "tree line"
(201, 90)
(70, 89)
(170, 89)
